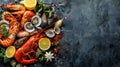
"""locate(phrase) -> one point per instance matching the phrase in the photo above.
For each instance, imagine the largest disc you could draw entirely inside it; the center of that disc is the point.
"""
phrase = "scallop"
(29, 27)
(50, 33)
(4, 24)
(36, 20)
(57, 30)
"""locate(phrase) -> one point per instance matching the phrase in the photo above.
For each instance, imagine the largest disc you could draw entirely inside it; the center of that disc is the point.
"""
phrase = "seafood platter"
(30, 32)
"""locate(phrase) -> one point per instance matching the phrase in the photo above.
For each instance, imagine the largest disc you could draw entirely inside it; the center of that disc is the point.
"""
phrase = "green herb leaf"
(2, 50)
(4, 31)
(56, 43)
(41, 5)
(42, 58)
(42, 53)
(1, 55)
(6, 59)
(40, 2)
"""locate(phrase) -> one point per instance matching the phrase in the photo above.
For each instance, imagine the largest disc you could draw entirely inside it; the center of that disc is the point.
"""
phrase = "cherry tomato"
(55, 50)
(52, 43)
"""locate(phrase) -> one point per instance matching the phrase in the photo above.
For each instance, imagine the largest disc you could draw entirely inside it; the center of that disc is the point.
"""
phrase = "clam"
(57, 30)
(36, 20)
(29, 27)
(50, 33)
(38, 52)
(19, 65)
(4, 24)
(13, 63)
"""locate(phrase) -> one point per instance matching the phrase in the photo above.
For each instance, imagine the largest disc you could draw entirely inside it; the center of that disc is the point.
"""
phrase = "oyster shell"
(36, 20)
(50, 33)
(29, 27)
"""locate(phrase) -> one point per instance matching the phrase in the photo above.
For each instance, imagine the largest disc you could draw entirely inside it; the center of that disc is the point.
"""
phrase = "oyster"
(29, 27)
(36, 20)
(50, 33)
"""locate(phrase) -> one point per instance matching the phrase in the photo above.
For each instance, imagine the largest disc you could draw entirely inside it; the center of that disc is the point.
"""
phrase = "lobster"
(27, 53)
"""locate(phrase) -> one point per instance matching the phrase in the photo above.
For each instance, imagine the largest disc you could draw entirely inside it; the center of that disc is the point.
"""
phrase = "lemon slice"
(10, 51)
(44, 43)
(29, 4)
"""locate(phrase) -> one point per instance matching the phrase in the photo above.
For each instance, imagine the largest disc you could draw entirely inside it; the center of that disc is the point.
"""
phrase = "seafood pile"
(35, 34)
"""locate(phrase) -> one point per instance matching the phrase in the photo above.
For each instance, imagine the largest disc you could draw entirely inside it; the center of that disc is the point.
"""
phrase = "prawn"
(13, 30)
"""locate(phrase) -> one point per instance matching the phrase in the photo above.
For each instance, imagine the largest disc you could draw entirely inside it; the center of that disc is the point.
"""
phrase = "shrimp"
(15, 9)
(13, 30)
(19, 12)
(26, 17)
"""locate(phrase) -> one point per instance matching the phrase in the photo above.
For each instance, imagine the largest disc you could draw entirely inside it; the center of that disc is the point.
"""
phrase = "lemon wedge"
(44, 43)
(29, 4)
(10, 51)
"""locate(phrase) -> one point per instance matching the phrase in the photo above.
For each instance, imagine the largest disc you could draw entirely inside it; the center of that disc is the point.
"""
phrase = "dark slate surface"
(91, 34)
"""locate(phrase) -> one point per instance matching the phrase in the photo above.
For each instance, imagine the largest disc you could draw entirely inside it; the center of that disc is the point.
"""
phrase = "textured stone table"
(91, 35)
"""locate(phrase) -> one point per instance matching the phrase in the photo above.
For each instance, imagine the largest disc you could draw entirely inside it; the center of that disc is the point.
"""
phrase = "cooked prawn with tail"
(12, 32)
(26, 53)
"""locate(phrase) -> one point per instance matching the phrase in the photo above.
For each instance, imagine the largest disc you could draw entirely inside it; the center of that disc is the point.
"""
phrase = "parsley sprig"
(41, 5)
(2, 55)
(4, 31)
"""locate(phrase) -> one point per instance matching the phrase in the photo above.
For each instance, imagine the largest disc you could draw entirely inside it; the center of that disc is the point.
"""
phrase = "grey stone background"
(91, 34)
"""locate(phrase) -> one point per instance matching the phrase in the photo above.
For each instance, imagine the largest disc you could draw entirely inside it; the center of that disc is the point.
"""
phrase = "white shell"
(57, 30)
(50, 33)
(28, 30)
(39, 20)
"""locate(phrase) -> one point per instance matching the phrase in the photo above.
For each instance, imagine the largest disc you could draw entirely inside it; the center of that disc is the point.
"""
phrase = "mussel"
(50, 33)
(36, 20)
(44, 21)
(18, 43)
(29, 27)
(4, 24)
